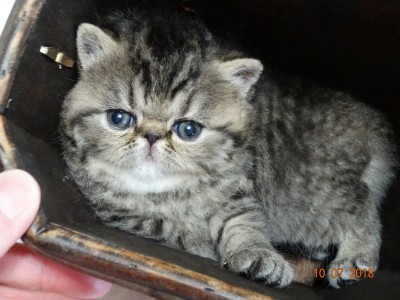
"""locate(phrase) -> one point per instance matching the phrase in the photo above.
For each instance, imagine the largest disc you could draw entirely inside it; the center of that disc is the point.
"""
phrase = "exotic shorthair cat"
(174, 136)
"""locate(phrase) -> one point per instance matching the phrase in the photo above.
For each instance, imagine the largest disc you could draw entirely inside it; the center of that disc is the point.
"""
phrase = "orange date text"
(356, 273)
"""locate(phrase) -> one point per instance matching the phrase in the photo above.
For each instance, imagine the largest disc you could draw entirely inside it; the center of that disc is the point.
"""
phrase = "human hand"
(24, 274)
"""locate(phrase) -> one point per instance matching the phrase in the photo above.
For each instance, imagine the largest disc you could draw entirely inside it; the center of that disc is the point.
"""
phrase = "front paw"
(347, 271)
(261, 265)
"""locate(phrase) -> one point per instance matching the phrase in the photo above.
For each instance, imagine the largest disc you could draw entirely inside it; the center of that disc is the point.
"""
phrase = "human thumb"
(19, 203)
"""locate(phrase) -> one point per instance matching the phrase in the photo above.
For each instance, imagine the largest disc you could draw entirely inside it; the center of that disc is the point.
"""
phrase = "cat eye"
(187, 130)
(120, 119)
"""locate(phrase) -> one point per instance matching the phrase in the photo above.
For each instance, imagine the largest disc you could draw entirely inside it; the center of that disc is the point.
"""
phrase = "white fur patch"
(147, 178)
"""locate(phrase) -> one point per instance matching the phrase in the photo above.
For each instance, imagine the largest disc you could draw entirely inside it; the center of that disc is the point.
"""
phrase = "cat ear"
(242, 73)
(92, 43)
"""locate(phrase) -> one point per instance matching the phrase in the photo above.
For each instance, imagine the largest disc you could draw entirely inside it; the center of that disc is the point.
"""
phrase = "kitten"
(174, 136)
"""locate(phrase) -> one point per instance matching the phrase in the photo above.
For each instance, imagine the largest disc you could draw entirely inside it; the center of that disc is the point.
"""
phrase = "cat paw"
(261, 265)
(344, 272)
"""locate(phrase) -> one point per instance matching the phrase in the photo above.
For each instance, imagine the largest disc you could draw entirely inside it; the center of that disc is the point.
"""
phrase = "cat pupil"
(117, 117)
(190, 130)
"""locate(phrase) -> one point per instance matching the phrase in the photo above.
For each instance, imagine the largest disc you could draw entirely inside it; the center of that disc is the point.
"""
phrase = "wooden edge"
(126, 267)
(17, 30)
(7, 150)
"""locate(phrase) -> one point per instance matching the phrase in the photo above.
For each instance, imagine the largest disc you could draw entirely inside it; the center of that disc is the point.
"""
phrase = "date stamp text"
(356, 273)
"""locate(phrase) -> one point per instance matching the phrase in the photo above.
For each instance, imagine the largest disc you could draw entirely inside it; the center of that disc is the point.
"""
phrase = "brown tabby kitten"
(172, 136)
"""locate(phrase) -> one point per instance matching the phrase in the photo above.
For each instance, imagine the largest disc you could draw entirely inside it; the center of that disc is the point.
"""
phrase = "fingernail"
(18, 191)
(101, 287)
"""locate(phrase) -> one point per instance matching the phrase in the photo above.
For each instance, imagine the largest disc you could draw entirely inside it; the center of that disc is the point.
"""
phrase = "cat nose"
(152, 138)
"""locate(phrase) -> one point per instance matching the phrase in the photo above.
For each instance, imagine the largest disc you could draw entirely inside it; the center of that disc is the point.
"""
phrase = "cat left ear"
(242, 73)
(93, 43)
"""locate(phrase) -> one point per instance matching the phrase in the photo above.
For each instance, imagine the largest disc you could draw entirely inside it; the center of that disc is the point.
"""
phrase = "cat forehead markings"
(163, 110)
(173, 99)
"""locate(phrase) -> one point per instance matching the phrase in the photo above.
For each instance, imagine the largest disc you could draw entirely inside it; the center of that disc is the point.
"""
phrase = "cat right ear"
(93, 43)
(241, 73)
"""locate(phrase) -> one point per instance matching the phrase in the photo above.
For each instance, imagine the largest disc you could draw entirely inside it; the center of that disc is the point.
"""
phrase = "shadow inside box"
(304, 38)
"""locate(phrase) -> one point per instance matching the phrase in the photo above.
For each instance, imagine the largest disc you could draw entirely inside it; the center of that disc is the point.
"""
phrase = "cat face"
(157, 119)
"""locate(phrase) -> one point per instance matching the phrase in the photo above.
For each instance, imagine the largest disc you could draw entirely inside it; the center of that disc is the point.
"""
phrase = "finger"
(7, 293)
(21, 268)
(19, 203)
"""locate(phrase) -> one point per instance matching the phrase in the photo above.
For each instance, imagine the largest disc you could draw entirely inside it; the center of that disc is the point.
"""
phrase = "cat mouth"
(149, 158)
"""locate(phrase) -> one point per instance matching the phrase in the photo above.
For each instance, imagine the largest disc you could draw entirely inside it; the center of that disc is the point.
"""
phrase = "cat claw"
(262, 266)
(346, 282)
(348, 275)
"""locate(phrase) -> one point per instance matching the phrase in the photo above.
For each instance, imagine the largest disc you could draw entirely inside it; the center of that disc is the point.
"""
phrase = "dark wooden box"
(349, 45)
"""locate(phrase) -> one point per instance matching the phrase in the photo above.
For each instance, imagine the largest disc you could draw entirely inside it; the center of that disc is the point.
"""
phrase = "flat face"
(40, 86)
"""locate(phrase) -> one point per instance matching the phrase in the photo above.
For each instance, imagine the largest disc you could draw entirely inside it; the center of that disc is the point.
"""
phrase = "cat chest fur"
(179, 220)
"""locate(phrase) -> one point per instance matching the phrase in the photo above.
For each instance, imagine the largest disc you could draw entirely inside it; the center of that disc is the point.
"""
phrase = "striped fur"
(277, 161)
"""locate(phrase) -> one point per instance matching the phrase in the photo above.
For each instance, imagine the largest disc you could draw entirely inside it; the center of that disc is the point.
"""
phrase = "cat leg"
(243, 244)
(358, 250)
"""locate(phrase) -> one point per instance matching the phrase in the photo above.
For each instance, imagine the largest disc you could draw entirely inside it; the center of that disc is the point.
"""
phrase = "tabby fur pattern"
(277, 161)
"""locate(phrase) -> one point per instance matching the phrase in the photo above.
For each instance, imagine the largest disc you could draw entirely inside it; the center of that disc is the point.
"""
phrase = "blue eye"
(187, 130)
(120, 119)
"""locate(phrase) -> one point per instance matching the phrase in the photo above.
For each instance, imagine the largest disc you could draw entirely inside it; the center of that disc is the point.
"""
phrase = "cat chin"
(140, 185)
(144, 179)
(149, 179)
